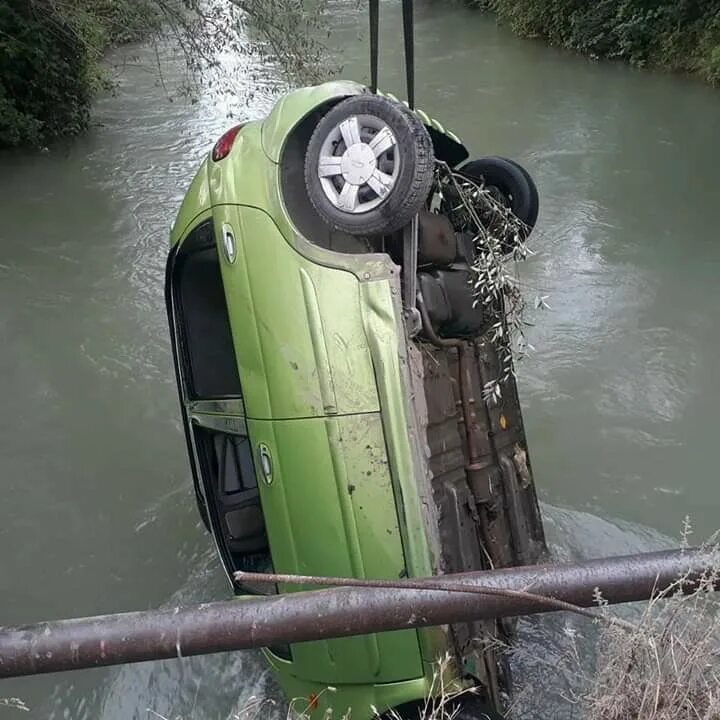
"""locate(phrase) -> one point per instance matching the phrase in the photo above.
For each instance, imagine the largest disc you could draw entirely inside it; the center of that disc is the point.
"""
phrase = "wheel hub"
(358, 164)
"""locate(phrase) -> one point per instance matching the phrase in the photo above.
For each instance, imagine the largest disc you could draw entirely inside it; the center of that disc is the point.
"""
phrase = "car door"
(219, 448)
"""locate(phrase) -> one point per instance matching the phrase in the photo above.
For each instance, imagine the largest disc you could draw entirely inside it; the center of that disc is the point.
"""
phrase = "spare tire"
(369, 166)
(513, 182)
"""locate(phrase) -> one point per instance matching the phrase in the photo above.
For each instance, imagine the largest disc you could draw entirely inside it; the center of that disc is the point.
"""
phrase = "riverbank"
(50, 62)
(51, 52)
(675, 35)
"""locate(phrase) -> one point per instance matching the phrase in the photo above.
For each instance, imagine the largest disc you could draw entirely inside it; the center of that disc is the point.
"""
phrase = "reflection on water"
(620, 400)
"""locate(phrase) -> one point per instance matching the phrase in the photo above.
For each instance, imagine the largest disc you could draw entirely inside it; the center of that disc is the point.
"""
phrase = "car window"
(202, 318)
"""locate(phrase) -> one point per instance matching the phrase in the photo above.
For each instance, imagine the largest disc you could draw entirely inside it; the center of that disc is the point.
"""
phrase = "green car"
(331, 359)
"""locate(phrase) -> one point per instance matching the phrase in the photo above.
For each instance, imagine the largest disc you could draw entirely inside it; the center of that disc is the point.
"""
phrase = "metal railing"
(253, 622)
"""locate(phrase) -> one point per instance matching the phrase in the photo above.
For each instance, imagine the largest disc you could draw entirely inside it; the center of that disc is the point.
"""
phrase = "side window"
(234, 463)
(228, 471)
(202, 319)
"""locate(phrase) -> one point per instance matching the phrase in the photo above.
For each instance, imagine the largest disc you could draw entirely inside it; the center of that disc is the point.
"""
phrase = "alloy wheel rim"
(359, 164)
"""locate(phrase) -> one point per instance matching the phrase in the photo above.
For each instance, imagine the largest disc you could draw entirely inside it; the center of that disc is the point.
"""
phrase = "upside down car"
(331, 356)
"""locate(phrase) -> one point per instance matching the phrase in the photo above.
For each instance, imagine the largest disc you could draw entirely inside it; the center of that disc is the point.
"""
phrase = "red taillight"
(224, 145)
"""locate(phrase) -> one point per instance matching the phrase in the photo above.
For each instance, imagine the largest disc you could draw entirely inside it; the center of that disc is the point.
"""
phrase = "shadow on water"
(620, 401)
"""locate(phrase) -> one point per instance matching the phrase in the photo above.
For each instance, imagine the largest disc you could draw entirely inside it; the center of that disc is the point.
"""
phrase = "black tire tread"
(533, 216)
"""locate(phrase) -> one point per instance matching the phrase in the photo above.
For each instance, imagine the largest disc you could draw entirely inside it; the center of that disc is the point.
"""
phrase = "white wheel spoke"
(357, 164)
(380, 182)
(348, 199)
(383, 141)
(329, 165)
(350, 131)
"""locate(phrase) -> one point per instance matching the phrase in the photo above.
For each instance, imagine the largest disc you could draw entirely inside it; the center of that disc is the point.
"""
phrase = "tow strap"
(374, 18)
(409, 44)
(407, 11)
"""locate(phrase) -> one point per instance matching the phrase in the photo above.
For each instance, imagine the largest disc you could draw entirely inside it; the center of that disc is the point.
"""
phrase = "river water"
(620, 398)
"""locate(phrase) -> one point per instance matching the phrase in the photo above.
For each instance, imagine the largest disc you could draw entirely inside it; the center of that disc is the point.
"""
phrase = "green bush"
(43, 71)
(674, 34)
(49, 62)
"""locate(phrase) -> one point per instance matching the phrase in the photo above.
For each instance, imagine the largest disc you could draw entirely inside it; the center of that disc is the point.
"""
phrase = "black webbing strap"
(374, 22)
(407, 12)
(409, 39)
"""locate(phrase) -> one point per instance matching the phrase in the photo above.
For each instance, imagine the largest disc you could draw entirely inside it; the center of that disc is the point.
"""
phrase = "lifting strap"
(374, 22)
(407, 12)
(409, 43)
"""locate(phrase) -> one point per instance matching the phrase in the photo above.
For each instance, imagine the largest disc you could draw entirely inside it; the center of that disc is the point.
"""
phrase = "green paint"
(321, 351)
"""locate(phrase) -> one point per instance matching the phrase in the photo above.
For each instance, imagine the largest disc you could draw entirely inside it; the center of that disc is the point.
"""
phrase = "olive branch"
(500, 241)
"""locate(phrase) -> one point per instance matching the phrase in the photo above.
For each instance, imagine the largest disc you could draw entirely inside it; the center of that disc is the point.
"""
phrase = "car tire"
(369, 166)
(512, 180)
(535, 197)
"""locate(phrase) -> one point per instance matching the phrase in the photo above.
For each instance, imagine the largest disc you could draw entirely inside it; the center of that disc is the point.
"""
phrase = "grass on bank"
(676, 35)
(662, 662)
(668, 668)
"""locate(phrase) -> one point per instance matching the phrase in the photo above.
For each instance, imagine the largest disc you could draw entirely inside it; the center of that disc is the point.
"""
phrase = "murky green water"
(620, 399)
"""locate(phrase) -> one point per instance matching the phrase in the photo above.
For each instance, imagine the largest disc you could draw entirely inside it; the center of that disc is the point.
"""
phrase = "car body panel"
(195, 203)
(330, 510)
(319, 340)
(365, 700)
(297, 326)
(292, 107)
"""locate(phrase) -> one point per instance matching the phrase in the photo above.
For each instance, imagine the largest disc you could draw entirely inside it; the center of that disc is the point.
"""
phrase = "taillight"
(223, 146)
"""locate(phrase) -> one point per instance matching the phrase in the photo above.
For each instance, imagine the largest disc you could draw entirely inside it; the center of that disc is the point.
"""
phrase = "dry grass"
(665, 665)
(444, 699)
(668, 667)
(440, 704)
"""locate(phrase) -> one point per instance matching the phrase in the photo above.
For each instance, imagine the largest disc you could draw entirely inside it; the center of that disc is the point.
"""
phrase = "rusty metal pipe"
(297, 617)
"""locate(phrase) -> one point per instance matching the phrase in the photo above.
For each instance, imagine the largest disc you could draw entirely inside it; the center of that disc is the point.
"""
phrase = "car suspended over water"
(333, 353)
